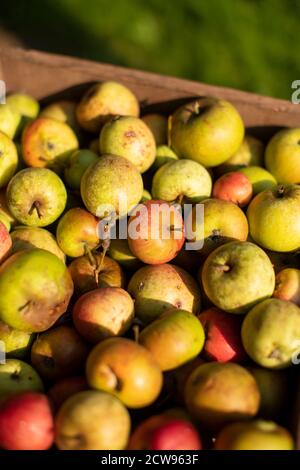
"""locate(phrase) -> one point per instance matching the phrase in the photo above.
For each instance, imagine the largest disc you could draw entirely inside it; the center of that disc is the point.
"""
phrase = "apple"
(6, 216)
(26, 238)
(8, 158)
(141, 436)
(112, 184)
(158, 124)
(176, 434)
(35, 290)
(287, 285)
(158, 288)
(47, 143)
(207, 130)
(78, 162)
(17, 376)
(119, 251)
(254, 435)
(146, 196)
(217, 393)
(259, 177)
(5, 242)
(181, 180)
(164, 154)
(63, 111)
(238, 275)
(281, 208)
(25, 105)
(250, 153)
(223, 336)
(58, 353)
(155, 232)
(9, 120)
(129, 137)
(16, 343)
(65, 388)
(222, 221)
(36, 196)
(174, 338)
(26, 422)
(235, 187)
(77, 232)
(271, 333)
(89, 274)
(125, 369)
(282, 156)
(102, 313)
(104, 100)
(108, 430)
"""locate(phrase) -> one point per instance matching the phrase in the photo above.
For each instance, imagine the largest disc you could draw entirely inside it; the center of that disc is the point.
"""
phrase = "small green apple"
(282, 156)
(164, 154)
(24, 104)
(271, 333)
(274, 218)
(259, 177)
(182, 179)
(120, 252)
(9, 120)
(18, 376)
(207, 130)
(238, 275)
(16, 343)
(8, 159)
(76, 166)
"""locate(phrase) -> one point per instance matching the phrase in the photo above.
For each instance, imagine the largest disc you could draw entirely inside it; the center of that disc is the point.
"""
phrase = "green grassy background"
(247, 44)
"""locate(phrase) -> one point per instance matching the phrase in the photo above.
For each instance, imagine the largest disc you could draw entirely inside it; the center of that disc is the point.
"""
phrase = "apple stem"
(36, 206)
(105, 245)
(90, 255)
(280, 190)
(180, 199)
(224, 268)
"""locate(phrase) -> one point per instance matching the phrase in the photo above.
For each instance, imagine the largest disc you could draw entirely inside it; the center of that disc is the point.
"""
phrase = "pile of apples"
(136, 342)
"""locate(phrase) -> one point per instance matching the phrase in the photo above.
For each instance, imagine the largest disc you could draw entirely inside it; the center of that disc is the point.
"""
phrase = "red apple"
(176, 434)
(235, 187)
(65, 388)
(223, 336)
(26, 422)
(156, 232)
(5, 242)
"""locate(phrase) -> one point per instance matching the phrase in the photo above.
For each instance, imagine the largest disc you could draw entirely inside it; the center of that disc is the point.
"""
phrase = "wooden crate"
(48, 77)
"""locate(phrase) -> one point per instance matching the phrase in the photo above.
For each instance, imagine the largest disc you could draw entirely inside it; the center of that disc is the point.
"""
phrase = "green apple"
(250, 153)
(181, 179)
(238, 275)
(207, 130)
(9, 120)
(6, 216)
(8, 159)
(271, 333)
(24, 104)
(104, 100)
(164, 154)
(146, 196)
(129, 137)
(26, 238)
(259, 177)
(120, 252)
(16, 343)
(111, 184)
(18, 376)
(35, 290)
(254, 435)
(108, 430)
(76, 166)
(274, 218)
(36, 196)
(282, 156)
(175, 338)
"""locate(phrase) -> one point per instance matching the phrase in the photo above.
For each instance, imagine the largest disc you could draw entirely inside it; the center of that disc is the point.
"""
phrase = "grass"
(246, 44)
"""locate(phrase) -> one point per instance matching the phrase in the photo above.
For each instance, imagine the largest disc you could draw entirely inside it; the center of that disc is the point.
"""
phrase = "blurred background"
(246, 44)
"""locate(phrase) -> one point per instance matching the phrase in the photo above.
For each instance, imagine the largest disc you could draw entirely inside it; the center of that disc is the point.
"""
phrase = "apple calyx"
(280, 191)
(112, 381)
(215, 235)
(225, 268)
(36, 205)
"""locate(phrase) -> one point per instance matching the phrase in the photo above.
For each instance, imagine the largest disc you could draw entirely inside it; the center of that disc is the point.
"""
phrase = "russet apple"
(223, 336)
(158, 288)
(77, 233)
(271, 333)
(8, 159)
(26, 238)
(108, 429)
(58, 353)
(158, 124)
(282, 156)
(280, 207)
(125, 369)
(216, 394)
(207, 130)
(17, 376)
(31, 298)
(259, 177)
(174, 338)
(104, 100)
(287, 285)
(47, 143)
(36, 196)
(129, 137)
(156, 232)
(26, 422)
(78, 162)
(235, 187)
(102, 313)
(16, 343)
(65, 388)
(238, 275)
